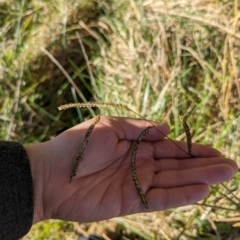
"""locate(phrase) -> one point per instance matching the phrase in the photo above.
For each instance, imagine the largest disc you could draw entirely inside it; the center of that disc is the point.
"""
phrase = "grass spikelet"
(133, 167)
(83, 147)
(93, 104)
(188, 135)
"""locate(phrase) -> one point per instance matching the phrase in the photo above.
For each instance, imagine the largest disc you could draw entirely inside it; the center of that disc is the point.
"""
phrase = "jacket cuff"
(16, 191)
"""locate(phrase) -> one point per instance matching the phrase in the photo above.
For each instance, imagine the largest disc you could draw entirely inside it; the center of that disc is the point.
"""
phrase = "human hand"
(103, 187)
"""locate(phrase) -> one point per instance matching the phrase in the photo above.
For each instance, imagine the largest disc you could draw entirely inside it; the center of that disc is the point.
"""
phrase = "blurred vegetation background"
(161, 58)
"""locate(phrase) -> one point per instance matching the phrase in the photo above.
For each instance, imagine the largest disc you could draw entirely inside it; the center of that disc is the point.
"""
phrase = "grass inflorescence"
(133, 167)
(93, 104)
(188, 135)
(83, 147)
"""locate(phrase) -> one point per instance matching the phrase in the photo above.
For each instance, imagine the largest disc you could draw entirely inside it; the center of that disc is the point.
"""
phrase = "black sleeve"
(16, 191)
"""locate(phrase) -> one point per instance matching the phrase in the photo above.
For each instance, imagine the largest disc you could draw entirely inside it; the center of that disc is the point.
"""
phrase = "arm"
(103, 187)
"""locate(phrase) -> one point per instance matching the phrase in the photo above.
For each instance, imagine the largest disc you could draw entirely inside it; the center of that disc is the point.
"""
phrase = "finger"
(167, 149)
(179, 164)
(130, 128)
(209, 175)
(160, 199)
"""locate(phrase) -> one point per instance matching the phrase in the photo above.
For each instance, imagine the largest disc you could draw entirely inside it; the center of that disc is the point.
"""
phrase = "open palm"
(103, 187)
